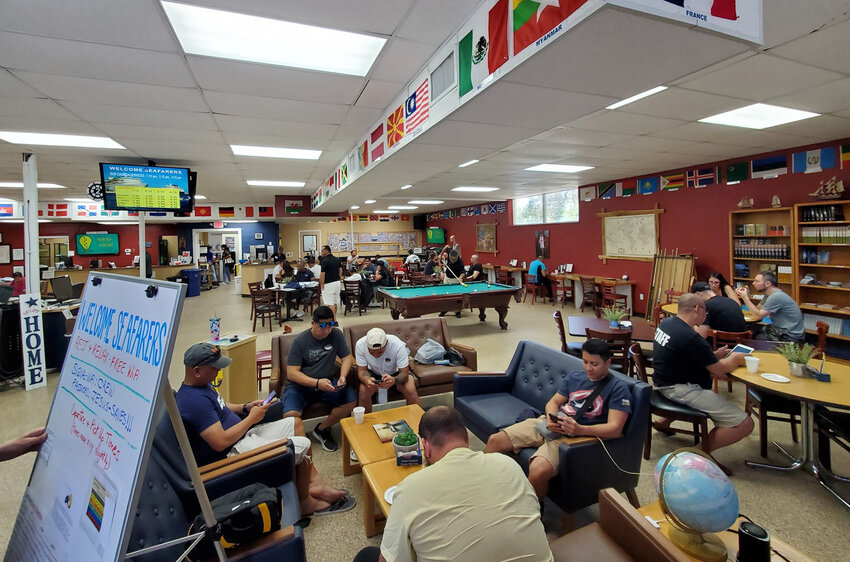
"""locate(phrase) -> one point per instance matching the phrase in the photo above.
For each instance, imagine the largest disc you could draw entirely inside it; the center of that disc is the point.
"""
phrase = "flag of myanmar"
(533, 20)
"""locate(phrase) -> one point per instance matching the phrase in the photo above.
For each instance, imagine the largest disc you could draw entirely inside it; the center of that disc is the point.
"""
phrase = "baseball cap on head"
(205, 354)
(376, 338)
(700, 286)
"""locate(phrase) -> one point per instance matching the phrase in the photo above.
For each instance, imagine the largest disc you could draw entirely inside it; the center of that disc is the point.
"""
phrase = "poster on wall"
(541, 243)
(485, 238)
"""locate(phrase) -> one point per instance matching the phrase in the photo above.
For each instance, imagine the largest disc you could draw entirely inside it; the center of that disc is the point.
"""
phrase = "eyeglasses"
(324, 325)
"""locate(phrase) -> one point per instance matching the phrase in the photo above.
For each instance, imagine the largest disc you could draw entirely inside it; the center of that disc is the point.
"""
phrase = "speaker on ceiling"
(419, 222)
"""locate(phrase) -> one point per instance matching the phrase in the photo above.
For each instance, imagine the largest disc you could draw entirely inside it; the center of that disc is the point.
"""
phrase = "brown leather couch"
(621, 533)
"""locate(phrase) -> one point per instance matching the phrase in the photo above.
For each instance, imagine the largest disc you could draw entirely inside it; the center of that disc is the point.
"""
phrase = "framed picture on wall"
(17, 254)
(5, 254)
(485, 238)
(541, 243)
(258, 236)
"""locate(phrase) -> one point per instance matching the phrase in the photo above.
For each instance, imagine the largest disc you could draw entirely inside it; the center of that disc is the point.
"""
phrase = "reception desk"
(253, 272)
(239, 379)
(160, 272)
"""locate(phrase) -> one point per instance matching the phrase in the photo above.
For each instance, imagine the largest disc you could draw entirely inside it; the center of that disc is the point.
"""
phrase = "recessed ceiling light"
(272, 183)
(50, 139)
(636, 97)
(354, 207)
(384, 211)
(275, 152)
(18, 184)
(229, 35)
(200, 197)
(408, 186)
(425, 202)
(469, 163)
(759, 116)
(403, 207)
(370, 201)
(79, 199)
(558, 168)
(474, 189)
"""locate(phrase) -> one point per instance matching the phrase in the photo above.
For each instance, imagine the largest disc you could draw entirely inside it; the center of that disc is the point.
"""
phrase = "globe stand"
(702, 546)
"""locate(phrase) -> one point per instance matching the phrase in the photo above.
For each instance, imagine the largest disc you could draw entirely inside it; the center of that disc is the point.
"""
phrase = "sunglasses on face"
(324, 325)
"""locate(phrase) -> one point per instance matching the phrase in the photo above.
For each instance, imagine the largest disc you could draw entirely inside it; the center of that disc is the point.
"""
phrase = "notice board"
(81, 497)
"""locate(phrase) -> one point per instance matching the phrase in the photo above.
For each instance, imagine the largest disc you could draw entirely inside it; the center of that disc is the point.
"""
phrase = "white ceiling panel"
(182, 151)
(32, 125)
(657, 144)
(38, 108)
(826, 98)
(580, 136)
(127, 133)
(432, 21)
(11, 86)
(687, 105)
(361, 118)
(440, 153)
(621, 122)
(378, 94)
(765, 140)
(787, 20)
(825, 127)
(825, 48)
(230, 123)
(451, 132)
(701, 132)
(100, 113)
(275, 108)
(399, 59)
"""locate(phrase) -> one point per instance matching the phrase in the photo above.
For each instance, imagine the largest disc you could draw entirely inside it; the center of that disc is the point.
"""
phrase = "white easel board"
(81, 497)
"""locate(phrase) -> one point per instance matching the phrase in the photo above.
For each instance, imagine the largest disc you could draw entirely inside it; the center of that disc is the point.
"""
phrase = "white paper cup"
(752, 363)
(357, 413)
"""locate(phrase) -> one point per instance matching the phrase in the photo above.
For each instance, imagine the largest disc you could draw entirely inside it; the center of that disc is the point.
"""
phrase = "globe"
(698, 498)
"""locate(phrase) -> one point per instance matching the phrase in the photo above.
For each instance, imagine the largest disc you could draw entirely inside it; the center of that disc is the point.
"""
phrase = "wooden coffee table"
(365, 442)
(381, 476)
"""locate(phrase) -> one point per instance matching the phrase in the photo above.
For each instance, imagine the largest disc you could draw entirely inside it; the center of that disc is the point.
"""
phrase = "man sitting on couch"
(604, 416)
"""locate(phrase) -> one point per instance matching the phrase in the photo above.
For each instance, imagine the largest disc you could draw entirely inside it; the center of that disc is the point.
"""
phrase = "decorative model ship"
(829, 189)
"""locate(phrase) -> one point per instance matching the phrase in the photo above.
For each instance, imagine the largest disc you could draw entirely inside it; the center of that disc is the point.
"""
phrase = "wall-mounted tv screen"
(97, 244)
(147, 188)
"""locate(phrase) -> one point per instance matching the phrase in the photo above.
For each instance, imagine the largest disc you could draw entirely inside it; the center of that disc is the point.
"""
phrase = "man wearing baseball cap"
(721, 313)
(216, 431)
(383, 362)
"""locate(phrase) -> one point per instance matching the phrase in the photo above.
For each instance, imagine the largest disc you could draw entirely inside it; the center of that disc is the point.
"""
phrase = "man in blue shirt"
(538, 269)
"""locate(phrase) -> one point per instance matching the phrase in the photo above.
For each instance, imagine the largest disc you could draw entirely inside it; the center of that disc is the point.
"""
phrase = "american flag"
(701, 177)
(416, 107)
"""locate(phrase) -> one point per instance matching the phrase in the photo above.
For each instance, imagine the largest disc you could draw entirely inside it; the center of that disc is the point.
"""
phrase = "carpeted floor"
(792, 506)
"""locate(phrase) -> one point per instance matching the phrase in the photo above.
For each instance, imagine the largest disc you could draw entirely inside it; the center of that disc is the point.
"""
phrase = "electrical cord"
(604, 448)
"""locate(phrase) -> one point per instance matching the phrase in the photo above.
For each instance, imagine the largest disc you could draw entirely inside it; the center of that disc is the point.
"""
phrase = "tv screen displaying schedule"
(146, 188)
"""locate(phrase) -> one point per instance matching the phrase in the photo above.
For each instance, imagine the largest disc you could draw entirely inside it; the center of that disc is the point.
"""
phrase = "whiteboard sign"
(84, 485)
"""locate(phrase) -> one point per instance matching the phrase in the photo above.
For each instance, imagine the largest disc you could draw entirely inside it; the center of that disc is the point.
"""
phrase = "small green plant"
(406, 439)
(613, 314)
(795, 353)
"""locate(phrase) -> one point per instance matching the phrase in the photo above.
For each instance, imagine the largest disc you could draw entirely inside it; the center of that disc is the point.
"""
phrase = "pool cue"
(455, 276)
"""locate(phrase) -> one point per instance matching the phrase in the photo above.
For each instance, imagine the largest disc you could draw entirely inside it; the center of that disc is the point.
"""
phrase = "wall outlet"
(641, 296)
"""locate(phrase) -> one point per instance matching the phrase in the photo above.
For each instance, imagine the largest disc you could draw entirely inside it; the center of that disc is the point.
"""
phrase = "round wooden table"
(673, 310)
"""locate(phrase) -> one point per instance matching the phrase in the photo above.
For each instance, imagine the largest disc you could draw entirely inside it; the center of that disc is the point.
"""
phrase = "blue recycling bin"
(193, 281)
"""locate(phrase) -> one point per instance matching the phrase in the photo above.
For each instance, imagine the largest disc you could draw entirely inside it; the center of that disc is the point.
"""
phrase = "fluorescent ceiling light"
(759, 116)
(425, 202)
(369, 201)
(403, 207)
(408, 186)
(272, 183)
(79, 199)
(44, 220)
(5, 221)
(275, 152)
(200, 197)
(474, 189)
(636, 97)
(125, 223)
(384, 211)
(18, 184)
(50, 139)
(469, 163)
(354, 207)
(228, 35)
(558, 168)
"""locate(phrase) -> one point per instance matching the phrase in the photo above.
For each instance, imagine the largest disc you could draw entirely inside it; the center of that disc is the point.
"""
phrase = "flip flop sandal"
(342, 505)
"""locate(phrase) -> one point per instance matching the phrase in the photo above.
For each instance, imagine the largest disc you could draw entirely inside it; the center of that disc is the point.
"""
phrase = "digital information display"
(145, 188)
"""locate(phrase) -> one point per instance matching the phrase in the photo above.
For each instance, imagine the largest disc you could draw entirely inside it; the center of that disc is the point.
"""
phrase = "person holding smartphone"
(383, 361)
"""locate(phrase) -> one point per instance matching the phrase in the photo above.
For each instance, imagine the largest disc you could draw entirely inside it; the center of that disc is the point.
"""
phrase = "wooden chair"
(264, 363)
(352, 297)
(720, 338)
(610, 296)
(559, 324)
(820, 342)
(589, 294)
(413, 267)
(503, 277)
(263, 302)
(662, 406)
(619, 346)
(532, 287)
(252, 287)
(670, 296)
(563, 291)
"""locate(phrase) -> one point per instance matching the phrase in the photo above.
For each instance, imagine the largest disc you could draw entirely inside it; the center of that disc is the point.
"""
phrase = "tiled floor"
(792, 506)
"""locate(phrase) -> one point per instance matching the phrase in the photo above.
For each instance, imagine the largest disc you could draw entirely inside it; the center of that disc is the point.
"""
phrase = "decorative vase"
(614, 324)
(796, 369)
(405, 448)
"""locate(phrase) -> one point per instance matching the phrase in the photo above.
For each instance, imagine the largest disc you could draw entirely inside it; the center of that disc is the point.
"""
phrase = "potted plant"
(406, 445)
(797, 356)
(613, 315)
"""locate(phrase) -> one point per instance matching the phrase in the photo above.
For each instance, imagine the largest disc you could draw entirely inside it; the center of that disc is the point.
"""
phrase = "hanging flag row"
(373, 218)
(485, 209)
(804, 162)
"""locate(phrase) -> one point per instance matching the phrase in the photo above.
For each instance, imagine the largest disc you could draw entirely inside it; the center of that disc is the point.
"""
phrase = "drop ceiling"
(115, 68)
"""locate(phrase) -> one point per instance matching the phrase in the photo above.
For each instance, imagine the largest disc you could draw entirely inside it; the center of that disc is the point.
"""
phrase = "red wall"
(694, 221)
(128, 237)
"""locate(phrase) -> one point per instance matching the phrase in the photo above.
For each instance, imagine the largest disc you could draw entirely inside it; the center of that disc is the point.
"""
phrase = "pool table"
(414, 301)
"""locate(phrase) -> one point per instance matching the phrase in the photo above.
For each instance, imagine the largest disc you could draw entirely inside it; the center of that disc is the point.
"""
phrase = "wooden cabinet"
(762, 239)
(822, 255)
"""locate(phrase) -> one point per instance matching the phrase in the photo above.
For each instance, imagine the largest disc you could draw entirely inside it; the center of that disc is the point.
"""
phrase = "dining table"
(640, 328)
(673, 309)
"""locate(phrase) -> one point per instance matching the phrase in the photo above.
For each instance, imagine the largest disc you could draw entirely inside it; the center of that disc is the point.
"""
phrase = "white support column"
(143, 270)
(30, 208)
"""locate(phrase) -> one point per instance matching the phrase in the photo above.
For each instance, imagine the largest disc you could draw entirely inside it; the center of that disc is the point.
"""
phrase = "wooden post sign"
(32, 341)
(81, 497)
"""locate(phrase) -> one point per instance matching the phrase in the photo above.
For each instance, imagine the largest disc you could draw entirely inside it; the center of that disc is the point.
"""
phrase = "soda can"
(215, 328)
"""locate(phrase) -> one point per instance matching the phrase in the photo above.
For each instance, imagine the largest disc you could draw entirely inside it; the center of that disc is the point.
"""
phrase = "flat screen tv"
(147, 188)
(435, 235)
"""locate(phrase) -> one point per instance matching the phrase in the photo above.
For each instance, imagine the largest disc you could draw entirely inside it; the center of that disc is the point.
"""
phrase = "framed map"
(631, 235)
(485, 238)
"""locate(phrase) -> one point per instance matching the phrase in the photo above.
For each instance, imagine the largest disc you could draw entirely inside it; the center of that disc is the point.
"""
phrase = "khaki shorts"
(722, 412)
(330, 294)
(524, 434)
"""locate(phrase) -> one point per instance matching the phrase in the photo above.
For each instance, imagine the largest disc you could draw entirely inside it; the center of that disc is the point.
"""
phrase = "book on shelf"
(386, 431)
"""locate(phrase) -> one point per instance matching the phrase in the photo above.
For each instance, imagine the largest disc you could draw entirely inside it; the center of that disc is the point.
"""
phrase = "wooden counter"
(253, 272)
(160, 272)
(239, 380)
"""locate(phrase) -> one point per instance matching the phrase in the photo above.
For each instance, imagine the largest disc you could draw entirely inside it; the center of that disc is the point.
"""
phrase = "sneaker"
(353, 457)
(345, 503)
(457, 314)
(325, 439)
(299, 313)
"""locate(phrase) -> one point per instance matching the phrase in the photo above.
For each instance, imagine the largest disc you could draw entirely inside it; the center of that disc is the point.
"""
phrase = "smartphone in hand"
(269, 398)
(554, 418)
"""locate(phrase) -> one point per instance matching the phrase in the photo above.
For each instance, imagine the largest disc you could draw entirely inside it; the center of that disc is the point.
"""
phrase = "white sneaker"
(299, 313)
(353, 456)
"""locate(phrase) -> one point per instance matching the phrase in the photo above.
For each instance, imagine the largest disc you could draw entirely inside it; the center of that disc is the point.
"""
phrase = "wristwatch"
(245, 408)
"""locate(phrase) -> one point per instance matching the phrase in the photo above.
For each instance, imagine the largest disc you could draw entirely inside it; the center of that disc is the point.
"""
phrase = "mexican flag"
(483, 46)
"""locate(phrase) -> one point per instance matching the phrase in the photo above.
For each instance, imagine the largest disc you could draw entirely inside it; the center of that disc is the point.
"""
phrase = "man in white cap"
(383, 362)
(215, 430)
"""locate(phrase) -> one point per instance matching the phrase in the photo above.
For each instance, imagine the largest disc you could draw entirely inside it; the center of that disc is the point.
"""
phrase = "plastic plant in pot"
(613, 315)
(797, 356)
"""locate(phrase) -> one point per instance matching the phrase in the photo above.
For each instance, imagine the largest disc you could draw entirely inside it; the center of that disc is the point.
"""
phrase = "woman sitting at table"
(721, 287)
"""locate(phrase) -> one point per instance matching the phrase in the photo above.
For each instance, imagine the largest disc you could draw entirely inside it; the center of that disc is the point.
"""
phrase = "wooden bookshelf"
(762, 237)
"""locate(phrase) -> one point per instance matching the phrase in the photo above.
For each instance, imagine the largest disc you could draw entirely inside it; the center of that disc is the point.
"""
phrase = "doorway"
(52, 250)
(308, 242)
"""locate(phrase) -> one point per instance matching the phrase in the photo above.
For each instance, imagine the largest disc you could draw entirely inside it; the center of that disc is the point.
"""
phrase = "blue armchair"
(490, 402)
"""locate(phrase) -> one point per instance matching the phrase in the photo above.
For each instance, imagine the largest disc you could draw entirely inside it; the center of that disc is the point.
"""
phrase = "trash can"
(193, 281)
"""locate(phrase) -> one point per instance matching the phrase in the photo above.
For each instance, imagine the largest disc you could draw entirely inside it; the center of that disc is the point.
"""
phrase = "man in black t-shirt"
(722, 313)
(476, 272)
(684, 364)
(454, 269)
(329, 279)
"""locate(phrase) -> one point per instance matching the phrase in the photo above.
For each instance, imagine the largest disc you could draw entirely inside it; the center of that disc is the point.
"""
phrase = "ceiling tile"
(99, 113)
(378, 94)
(826, 98)
(826, 48)
(275, 108)
(229, 123)
(39, 108)
(479, 135)
(432, 21)
(688, 105)
(628, 123)
(399, 59)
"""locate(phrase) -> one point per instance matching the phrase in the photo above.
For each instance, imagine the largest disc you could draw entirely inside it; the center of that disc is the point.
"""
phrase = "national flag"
(249, 211)
(158, 214)
(485, 209)
(57, 209)
(627, 188)
(132, 213)
(770, 166)
(383, 218)
(477, 210)
(737, 172)
(87, 210)
(463, 212)
(702, 177)
(373, 218)
(293, 206)
(725, 9)
(226, 212)
(269, 211)
(363, 155)
(670, 182)
(203, 211)
(377, 140)
(501, 207)
(534, 19)
(105, 213)
(813, 160)
(492, 209)
(343, 174)
(845, 155)
(416, 107)
(587, 193)
(483, 46)
(405, 218)
(605, 190)
(7, 209)
(647, 185)
(362, 218)
(395, 126)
